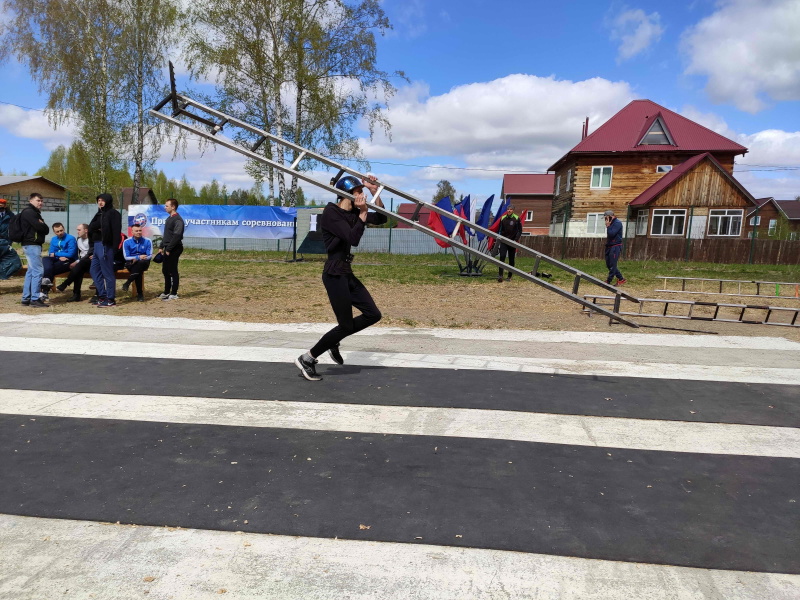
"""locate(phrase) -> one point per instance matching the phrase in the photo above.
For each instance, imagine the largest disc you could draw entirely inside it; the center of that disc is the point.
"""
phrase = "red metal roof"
(676, 173)
(527, 184)
(790, 208)
(624, 131)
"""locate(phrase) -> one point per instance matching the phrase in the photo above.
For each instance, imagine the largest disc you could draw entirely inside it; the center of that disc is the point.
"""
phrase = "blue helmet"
(348, 184)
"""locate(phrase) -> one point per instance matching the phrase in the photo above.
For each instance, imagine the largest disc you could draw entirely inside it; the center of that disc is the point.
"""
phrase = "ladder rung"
(297, 160)
(258, 143)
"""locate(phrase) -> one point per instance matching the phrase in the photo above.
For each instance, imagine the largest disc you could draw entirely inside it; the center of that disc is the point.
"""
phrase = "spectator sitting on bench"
(138, 251)
(80, 266)
(63, 252)
(10, 262)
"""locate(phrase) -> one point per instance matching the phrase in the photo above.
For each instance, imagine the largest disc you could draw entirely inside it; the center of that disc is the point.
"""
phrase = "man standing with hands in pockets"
(613, 247)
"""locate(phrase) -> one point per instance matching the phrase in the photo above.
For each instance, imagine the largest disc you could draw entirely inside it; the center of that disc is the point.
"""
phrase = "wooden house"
(774, 219)
(532, 197)
(661, 173)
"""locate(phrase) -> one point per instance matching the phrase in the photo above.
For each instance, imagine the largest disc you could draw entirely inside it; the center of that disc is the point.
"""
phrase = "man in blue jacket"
(138, 252)
(63, 252)
(613, 246)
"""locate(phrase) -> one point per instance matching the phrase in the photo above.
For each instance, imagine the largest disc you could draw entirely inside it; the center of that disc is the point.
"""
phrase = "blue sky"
(500, 86)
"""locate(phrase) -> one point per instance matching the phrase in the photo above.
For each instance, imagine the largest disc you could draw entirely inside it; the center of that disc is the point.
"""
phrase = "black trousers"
(76, 275)
(512, 254)
(136, 268)
(53, 266)
(169, 267)
(344, 293)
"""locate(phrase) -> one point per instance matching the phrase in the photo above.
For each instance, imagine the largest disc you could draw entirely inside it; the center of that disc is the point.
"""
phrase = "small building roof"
(626, 130)
(527, 184)
(790, 208)
(12, 179)
(146, 196)
(676, 173)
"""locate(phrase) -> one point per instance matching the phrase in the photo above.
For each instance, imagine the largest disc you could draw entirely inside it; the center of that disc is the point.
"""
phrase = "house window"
(657, 135)
(773, 225)
(793, 235)
(595, 223)
(725, 222)
(569, 179)
(641, 222)
(668, 221)
(663, 168)
(601, 177)
(558, 184)
(755, 221)
(528, 215)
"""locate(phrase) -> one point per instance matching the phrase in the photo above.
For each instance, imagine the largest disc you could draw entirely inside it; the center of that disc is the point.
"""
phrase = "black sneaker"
(26, 303)
(38, 304)
(74, 298)
(140, 298)
(107, 303)
(61, 287)
(125, 286)
(307, 368)
(336, 355)
(95, 300)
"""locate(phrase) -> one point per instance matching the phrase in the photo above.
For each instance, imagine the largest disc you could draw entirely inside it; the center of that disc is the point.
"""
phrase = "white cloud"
(518, 122)
(748, 51)
(33, 124)
(635, 31)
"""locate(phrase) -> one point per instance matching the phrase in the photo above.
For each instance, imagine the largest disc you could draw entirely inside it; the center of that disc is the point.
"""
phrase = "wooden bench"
(121, 274)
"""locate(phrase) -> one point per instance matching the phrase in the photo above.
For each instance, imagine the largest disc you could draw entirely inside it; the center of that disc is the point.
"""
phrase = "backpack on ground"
(16, 231)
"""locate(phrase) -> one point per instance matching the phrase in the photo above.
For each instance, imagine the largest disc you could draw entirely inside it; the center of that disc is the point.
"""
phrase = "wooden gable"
(705, 185)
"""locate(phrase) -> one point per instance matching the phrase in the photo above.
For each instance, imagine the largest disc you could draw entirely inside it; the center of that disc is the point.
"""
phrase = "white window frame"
(668, 212)
(721, 214)
(663, 168)
(558, 184)
(569, 180)
(598, 218)
(755, 221)
(641, 221)
(773, 225)
(600, 179)
(528, 215)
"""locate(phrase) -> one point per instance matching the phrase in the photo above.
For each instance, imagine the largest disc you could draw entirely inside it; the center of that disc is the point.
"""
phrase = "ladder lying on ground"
(720, 312)
(728, 284)
(215, 121)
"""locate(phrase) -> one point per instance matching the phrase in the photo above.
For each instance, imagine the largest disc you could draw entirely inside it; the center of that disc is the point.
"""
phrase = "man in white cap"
(613, 246)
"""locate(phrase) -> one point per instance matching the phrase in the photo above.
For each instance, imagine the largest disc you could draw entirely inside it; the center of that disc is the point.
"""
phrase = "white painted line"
(509, 335)
(606, 432)
(553, 366)
(43, 558)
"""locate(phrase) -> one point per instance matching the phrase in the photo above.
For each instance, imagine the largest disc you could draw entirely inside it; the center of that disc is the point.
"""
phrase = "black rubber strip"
(605, 396)
(698, 510)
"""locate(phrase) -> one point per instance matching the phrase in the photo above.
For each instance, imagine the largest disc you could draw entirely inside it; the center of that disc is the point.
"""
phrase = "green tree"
(444, 189)
(303, 70)
(185, 193)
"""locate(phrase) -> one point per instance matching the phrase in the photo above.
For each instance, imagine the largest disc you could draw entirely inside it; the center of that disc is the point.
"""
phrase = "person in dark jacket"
(9, 259)
(35, 230)
(510, 227)
(613, 246)
(342, 226)
(105, 234)
(171, 248)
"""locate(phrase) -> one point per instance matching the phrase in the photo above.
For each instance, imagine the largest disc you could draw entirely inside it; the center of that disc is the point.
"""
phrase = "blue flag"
(485, 215)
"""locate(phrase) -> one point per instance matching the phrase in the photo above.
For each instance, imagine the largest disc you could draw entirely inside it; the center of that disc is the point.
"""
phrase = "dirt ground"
(277, 292)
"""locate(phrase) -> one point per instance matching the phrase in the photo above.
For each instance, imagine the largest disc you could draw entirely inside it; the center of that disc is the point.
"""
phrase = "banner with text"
(215, 221)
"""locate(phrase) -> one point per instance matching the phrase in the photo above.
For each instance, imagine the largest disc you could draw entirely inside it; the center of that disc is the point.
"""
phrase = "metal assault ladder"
(214, 121)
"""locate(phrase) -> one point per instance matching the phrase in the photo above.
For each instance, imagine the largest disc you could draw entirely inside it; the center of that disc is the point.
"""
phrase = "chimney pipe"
(586, 128)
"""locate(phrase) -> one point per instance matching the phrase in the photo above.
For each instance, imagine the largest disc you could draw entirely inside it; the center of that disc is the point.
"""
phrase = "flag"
(465, 212)
(483, 218)
(440, 224)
